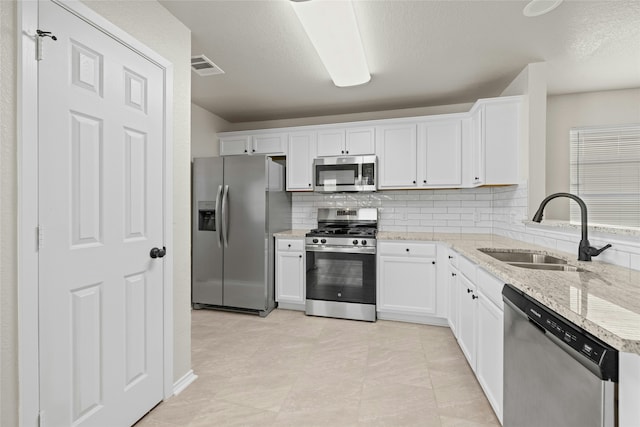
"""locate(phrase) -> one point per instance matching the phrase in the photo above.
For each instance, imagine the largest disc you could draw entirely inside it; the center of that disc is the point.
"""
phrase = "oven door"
(341, 277)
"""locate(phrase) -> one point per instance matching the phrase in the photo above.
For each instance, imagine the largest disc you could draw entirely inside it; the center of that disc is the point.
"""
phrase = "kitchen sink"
(552, 267)
(522, 256)
(528, 259)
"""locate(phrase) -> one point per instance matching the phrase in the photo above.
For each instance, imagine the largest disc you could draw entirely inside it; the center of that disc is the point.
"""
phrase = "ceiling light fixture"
(333, 30)
(540, 7)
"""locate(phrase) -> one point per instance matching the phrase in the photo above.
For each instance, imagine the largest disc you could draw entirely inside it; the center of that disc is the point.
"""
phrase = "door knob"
(158, 253)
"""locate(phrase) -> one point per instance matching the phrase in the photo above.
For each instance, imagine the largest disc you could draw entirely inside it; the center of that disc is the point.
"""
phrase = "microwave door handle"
(219, 216)
(225, 216)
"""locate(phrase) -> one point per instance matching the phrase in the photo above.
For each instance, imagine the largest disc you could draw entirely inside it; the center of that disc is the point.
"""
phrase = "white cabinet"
(467, 319)
(407, 281)
(440, 153)
(489, 356)
(495, 141)
(397, 150)
(452, 293)
(290, 273)
(267, 143)
(352, 141)
(301, 151)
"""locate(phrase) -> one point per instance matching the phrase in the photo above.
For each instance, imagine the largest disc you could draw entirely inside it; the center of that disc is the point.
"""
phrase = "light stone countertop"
(604, 299)
(291, 233)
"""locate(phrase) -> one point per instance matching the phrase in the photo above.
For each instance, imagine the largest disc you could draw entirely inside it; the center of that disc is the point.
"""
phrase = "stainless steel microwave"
(344, 173)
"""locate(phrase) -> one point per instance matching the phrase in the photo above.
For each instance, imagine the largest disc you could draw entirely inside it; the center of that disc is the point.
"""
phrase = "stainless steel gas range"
(341, 264)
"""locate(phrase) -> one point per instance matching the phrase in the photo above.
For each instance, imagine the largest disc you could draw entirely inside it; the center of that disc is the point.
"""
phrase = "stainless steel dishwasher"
(555, 373)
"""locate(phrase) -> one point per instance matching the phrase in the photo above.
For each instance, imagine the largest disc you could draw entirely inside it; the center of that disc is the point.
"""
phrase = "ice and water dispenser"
(207, 216)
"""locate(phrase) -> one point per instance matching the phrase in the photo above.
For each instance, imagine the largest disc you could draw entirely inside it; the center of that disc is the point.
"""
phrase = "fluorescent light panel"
(332, 28)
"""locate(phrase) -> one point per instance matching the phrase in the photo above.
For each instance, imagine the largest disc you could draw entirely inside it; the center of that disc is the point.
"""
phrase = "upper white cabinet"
(267, 143)
(341, 141)
(397, 150)
(440, 153)
(495, 141)
(301, 152)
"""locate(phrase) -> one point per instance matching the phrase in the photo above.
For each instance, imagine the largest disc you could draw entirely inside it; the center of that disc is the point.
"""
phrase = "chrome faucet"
(585, 250)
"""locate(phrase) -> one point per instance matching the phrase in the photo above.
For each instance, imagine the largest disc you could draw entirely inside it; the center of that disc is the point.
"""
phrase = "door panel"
(245, 257)
(101, 211)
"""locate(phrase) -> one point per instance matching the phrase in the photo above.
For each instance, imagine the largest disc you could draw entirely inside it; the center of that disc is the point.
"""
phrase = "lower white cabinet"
(407, 288)
(478, 314)
(290, 273)
(467, 316)
(489, 357)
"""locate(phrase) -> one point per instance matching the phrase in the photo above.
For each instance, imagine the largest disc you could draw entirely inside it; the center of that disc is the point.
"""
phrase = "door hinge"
(40, 234)
(40, 35)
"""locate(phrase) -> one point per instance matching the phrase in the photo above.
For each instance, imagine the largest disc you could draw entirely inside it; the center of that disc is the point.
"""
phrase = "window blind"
(605, 173)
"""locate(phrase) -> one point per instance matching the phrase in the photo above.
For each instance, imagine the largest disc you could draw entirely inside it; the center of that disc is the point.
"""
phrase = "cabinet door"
(290, 277)
(360, 141)
(467, 319)
(501, 133)
(407, 284)
(234, 145)
(301, 151)
(397, 147)
(443, 153)
(453, 300)
(331, 142)
(477, 147)
(489, 351)
(269, 144)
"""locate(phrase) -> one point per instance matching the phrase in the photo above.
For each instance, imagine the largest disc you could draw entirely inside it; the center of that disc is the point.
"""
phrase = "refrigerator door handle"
(225, 217)
(219, 216)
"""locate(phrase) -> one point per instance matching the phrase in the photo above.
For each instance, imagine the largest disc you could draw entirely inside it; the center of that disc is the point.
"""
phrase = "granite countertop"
(603, 299)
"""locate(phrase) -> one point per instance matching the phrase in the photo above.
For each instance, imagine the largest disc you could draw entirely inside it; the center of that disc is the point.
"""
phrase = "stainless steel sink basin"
(552, 267)
(522, 256)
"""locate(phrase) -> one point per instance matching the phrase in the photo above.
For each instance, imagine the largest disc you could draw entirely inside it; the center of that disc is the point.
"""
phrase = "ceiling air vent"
(204, 66)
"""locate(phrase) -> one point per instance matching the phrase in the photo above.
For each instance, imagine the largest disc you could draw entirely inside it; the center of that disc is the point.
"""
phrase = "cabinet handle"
(342, 152)
(450, 257)
(289, 245)
(453, 274)
(477, 178)
(474, 297)
(414, 181)
(347, 151)
(245, 151)
(424, 181)
(407, 249)
(469, 291)
(433, 262)
(253, 151)
(309, 185)
(299, 256)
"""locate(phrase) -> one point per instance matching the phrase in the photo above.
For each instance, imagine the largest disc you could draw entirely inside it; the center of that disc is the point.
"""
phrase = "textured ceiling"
(420, 53)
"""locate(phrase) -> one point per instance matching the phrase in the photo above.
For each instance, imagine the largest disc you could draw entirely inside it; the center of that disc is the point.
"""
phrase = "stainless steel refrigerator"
(238, 203)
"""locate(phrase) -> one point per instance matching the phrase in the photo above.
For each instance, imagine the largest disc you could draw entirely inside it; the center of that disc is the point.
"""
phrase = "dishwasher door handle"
(534, 323)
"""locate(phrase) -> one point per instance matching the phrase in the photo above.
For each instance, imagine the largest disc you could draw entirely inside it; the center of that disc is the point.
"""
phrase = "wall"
(582, 109)
(153, 25)
(204, 126)
(343, 118)
(532, 81)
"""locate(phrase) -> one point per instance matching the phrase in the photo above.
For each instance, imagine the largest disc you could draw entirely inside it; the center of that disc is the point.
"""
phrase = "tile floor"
(292, 370)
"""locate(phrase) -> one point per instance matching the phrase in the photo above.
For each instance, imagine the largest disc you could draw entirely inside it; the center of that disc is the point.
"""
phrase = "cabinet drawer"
(407, 248)
(490, 286)
(290, 245)
(467, 268)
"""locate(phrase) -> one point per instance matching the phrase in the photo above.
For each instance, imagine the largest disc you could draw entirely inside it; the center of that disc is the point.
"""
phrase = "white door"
(397, 148)
(101, 212)
(443, 153)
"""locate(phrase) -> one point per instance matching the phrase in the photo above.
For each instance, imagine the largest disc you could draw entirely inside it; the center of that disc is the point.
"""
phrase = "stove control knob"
(323, 241)
(355, 242)
(315, 240)
(364, 242)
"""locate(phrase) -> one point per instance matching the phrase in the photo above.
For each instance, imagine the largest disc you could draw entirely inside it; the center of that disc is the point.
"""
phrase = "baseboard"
(413, 318)
(291, 306)
(184, 382)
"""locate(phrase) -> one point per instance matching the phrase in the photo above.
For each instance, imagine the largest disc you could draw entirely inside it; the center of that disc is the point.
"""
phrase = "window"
(605, 173)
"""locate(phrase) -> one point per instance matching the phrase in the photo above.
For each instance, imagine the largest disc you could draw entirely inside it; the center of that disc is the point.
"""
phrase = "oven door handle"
(345, 250)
